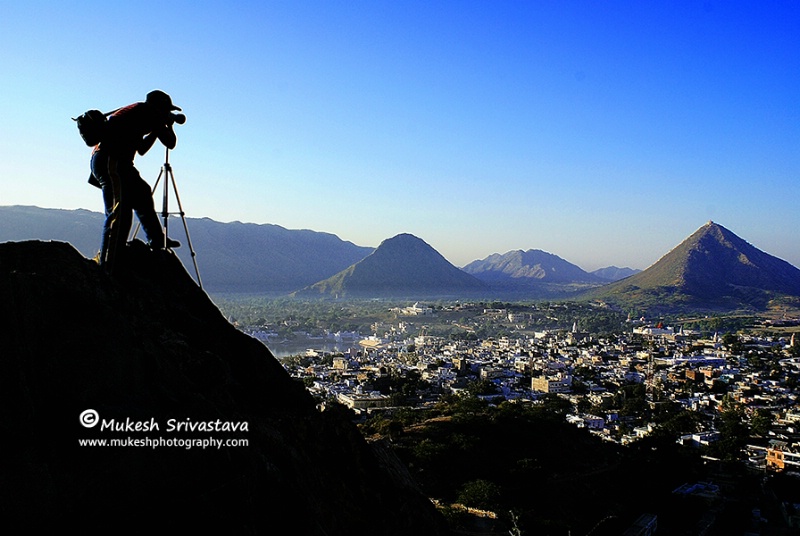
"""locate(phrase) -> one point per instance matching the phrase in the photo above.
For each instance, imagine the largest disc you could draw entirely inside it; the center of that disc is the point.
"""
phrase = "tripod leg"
(165, 203)
(186, 230)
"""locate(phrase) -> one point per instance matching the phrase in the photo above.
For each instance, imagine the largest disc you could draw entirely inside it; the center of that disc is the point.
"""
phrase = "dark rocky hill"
(231, 257)
(714, 269)
(402, 266)
(147, 346)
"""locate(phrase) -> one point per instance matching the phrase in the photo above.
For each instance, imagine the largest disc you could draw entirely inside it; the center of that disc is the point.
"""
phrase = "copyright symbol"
(89, 418)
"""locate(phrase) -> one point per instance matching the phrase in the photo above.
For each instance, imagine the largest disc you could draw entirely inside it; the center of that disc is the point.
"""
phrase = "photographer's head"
(161, 102)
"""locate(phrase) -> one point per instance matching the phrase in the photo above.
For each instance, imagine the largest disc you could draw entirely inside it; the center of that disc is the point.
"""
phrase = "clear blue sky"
(602, 132)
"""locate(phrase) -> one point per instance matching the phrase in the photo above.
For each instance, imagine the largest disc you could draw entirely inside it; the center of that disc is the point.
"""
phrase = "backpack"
(92, 126)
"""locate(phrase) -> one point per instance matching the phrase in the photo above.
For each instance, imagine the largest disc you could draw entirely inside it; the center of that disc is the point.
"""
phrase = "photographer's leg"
(105, 171)
(146, 212)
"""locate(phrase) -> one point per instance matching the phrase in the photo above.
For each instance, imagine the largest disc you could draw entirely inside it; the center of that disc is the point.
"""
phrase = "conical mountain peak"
(713, 267)
(403, 265)
(406, 243)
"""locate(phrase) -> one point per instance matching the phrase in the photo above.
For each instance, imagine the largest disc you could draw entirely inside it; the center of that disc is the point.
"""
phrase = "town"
(620, 382)
(719, 389)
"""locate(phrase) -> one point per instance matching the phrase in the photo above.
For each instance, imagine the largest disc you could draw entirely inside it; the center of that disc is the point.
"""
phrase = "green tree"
(732, 428)
(463, 406)
(794, 350)
(481, 494)
(482, 388)
(429, 451)
(556, 405)
(584, 405)
(762, 421)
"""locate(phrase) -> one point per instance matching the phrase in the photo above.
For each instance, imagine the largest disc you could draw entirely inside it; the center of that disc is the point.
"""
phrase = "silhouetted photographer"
(130, 130)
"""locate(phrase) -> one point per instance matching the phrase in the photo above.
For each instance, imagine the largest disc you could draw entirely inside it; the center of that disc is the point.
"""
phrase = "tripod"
(169, 177)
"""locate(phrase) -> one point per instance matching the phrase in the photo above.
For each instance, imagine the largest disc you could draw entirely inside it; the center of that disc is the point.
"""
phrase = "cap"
(160, 99)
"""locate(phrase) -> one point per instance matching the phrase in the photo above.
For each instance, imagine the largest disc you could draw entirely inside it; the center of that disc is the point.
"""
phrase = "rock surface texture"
(148, 346)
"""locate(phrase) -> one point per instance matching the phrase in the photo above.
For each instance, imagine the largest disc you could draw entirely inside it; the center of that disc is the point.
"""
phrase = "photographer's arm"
(167, 136)
(164, 134)
(146, 143)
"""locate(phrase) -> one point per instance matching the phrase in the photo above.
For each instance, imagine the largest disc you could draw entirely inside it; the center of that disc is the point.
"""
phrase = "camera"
(177, 118)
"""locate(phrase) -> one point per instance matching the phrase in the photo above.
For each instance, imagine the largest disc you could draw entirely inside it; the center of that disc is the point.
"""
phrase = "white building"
(363, 400)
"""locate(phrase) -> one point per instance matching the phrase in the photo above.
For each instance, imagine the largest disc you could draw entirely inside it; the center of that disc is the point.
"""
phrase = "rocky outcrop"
(148, 348)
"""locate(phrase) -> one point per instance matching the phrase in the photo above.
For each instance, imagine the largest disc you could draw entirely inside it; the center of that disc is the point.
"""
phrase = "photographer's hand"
(167, 136)
(164, 134)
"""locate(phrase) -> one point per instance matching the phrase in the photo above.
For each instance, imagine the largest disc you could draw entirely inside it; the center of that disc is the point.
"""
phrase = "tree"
(429, 451)
(464, 406)
(732, 428)
(584, 405)
(552, 403)
(480, 494)
(482, 388)
(762, 421)
(678, 423)
(794, 350)
(393, 429)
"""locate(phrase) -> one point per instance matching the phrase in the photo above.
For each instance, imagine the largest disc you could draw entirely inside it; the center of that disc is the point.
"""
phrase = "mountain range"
(232, 257)
(711, 269)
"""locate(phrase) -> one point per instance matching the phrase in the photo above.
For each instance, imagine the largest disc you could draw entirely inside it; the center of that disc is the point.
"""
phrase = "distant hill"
(613, 273)
(248, 257)
(81, 228)
(232, 257)
(713, 269)
(402, 266)
(520, 270)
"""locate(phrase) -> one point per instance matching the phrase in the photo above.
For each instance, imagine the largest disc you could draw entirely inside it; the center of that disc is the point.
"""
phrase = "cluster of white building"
(669, 364)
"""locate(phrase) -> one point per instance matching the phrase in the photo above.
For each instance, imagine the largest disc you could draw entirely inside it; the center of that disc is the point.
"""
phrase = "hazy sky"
(604, 132)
